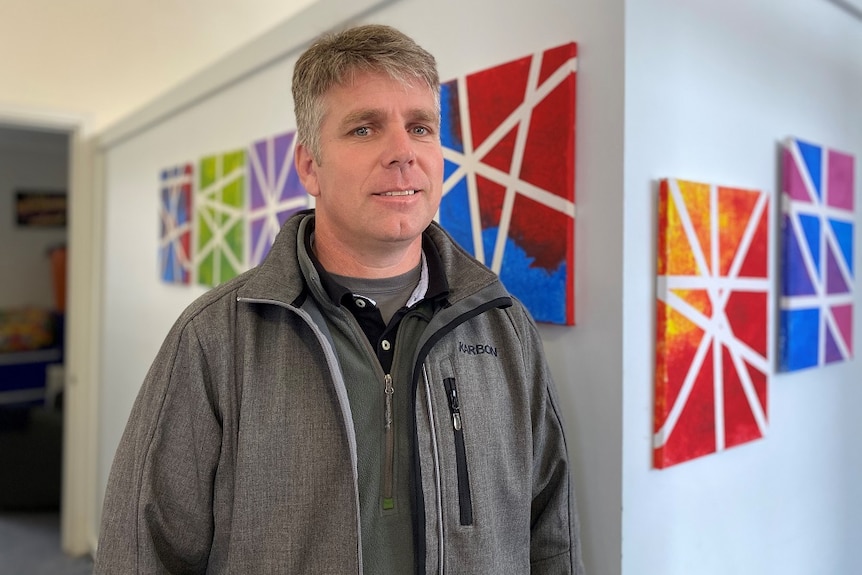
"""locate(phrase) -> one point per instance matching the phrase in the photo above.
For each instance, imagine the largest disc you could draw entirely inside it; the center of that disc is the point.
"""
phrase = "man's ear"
(306, 167)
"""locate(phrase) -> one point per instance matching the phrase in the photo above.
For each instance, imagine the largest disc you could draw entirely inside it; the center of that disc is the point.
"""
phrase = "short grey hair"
(335, 59)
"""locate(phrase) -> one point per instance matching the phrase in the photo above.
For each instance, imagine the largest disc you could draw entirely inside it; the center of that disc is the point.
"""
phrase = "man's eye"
(363, 131)
(420, 131)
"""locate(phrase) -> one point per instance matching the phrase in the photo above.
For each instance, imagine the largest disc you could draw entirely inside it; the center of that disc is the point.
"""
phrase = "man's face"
(379, 178)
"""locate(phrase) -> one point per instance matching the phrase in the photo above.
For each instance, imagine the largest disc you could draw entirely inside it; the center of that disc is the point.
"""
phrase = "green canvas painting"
(220, 218)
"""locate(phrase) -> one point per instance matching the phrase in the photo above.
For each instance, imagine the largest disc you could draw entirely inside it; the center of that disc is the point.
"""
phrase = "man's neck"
(368, 260)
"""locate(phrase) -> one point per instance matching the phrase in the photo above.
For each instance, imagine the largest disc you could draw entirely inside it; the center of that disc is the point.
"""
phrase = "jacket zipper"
(465, 501)
(389, 445)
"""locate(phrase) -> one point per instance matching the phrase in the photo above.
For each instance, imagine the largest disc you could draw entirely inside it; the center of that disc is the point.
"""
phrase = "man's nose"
(399, 149)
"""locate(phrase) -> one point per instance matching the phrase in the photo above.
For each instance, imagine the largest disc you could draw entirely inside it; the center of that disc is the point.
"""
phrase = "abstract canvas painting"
(275, 190)
(220, 218)
(817, 283)
(712, 319)
(508, 137)
(175, 218)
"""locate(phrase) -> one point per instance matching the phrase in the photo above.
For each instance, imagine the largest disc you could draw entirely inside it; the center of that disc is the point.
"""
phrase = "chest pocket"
(484, 430)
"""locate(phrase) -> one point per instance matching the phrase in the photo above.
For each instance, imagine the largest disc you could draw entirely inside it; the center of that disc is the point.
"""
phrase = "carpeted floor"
(31, 452)
(30, 545)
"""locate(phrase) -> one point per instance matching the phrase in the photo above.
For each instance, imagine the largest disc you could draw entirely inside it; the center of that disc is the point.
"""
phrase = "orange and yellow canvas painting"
(712, 319)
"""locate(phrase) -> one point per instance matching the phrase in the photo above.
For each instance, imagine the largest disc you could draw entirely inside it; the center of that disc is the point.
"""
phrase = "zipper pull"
(452, 396)
(388, 390)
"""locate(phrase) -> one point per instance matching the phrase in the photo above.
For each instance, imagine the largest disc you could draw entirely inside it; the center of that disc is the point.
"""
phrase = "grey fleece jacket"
(240, 456)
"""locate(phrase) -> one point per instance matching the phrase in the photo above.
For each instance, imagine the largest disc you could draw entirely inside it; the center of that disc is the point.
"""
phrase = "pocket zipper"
(465, 501)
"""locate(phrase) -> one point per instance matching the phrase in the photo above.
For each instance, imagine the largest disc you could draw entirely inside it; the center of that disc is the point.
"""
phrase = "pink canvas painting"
(817, 283)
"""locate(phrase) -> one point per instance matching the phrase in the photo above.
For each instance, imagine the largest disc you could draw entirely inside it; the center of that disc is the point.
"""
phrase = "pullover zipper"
(389, 445)
(465, 501)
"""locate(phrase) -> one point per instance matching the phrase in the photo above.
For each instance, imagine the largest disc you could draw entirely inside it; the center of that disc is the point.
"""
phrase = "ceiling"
(102, 59)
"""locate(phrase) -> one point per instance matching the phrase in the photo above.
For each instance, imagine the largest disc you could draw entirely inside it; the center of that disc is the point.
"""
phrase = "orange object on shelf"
(58, 273)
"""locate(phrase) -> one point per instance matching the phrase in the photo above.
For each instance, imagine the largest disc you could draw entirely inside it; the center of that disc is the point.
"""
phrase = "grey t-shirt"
(388, 294)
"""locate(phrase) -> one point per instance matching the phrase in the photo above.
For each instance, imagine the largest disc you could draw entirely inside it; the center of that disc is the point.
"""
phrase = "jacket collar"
(278, 277)
(281, 278)
(436, 288)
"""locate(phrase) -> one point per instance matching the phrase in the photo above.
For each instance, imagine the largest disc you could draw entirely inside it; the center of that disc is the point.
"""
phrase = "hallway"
(30, 545)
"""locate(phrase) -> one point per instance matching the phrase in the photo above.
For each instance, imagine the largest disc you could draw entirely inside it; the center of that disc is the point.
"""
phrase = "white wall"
(29, 160)
(138, 310)
(711, 89)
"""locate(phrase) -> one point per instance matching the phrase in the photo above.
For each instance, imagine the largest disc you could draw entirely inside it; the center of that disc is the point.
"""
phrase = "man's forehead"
(354, 105)
(356, 76)
(354, 83)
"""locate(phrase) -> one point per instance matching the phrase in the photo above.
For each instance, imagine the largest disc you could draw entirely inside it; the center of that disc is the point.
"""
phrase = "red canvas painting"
(712, 319)
(508, 135)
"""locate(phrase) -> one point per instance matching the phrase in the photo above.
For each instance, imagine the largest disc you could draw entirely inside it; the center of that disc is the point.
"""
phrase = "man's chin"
(404, 230)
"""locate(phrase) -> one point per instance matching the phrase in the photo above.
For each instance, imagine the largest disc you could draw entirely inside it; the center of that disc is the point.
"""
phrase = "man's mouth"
(398, 193)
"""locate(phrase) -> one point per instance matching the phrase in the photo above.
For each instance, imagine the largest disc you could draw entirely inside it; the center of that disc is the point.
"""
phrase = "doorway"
(33, 280)
(34, 184)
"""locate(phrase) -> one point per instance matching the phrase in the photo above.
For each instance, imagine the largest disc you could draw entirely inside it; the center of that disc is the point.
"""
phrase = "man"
(370, 398)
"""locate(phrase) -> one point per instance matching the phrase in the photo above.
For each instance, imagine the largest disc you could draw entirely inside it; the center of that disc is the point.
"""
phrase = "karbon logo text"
(477, 349)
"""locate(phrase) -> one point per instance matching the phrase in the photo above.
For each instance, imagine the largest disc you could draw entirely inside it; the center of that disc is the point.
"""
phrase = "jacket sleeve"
(157, 515)
(554, 530)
